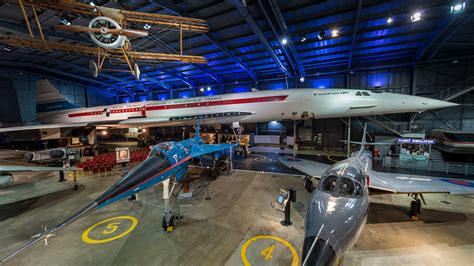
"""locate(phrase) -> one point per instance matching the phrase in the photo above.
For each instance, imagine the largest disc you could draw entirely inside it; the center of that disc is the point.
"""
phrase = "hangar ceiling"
(264, 39)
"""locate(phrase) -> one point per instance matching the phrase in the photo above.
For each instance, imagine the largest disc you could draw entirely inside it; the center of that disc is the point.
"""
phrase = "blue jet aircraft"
(164, 161)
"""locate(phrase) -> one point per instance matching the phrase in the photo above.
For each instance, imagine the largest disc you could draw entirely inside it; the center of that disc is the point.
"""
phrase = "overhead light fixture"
(415, 17)
(302, 79)
(334, 33)
(303, 39)
(284, 41)
(104, 132)
(201, 89)
(458, 7)
(321, 35)
(147, 26)
(64, 20)
(92, 3)
(389, 20)
(208, 88)
(455, 61)
(9, 48)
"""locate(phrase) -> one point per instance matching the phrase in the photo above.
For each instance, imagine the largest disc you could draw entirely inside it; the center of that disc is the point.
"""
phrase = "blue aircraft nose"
(146, 170)
(318, 253)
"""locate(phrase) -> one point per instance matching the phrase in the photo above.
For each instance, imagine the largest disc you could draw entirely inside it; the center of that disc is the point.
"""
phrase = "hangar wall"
(24, 84)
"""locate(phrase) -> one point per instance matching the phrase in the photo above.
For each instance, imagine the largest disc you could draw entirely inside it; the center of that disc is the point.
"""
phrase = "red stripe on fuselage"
(187, 105)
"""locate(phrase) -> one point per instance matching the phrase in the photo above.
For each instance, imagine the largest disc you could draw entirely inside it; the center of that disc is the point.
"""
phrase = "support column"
(348, 137)
(294, 136)
(413, 81)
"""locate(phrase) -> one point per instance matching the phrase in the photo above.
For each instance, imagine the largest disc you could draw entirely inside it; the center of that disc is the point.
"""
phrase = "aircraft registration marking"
(112, 226)
(267, 252)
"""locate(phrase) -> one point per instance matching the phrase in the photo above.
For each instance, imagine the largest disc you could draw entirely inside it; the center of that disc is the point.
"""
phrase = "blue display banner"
(416, 141)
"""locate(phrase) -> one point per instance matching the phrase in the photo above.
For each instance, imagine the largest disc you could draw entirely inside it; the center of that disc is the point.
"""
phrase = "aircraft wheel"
(308, 185)
(413, 208)
(163, 223)
(418, 203)
(222, 166)
(166, 225)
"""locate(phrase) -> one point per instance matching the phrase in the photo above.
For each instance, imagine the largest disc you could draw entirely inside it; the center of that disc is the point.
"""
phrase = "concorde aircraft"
(165, 160)
(55, 112)
(337, 210)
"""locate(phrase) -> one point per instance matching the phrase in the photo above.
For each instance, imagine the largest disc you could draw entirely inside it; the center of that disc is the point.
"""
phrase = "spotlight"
(389, 20)
(321, 35)
(334, 33)
(455, 61)
(201, 89)
(303, 39)
(104, 132)
(458, 7)
(144, 130)
(147, 26)
(8, 48)
(92, 3)
(302, 79)
(415, 17)
(64, 20)
(284, 41)
(208, 88)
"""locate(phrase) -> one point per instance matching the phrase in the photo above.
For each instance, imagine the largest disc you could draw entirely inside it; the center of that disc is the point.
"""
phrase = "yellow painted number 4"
(267, 253)
(112, 227)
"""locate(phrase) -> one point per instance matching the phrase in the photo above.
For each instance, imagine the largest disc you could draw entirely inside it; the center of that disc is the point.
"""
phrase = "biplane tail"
(50, 99)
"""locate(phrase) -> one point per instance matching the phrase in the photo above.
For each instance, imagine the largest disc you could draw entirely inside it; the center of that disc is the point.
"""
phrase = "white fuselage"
(263, 106)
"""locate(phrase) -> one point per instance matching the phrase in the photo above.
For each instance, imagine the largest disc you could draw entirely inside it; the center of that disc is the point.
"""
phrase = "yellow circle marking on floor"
(87, 239)
(247, 243)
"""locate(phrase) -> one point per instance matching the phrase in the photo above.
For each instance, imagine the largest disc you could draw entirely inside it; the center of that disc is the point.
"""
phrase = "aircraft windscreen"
(343, 180)
(157, 153)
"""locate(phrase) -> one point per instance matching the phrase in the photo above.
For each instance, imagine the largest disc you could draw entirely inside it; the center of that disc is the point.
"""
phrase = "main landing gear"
(308, 184)
(415, 206)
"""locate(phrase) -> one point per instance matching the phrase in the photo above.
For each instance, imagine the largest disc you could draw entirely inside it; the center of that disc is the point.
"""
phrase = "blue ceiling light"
(458, 7)
(201, 89)
(208, 88)
(301, 79)
(284, 41)
(389, 20)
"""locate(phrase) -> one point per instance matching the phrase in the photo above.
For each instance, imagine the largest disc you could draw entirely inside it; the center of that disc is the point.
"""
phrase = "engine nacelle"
(6, 180)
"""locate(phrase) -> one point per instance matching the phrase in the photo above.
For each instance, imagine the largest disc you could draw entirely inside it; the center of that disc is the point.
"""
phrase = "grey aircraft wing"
(406, 184)
(310, 168)
(27, 168)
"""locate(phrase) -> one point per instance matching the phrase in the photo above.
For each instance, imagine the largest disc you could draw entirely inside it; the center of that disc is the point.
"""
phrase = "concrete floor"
(214, 232)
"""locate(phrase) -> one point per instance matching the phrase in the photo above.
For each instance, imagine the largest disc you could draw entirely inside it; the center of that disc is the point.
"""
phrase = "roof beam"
(447, 37)
(354, 32)
(170, 7)
(211, 74)
(245, 13)
(439, 30)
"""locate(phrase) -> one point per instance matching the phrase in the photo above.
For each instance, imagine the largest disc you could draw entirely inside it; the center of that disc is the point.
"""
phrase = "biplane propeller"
(108, 31)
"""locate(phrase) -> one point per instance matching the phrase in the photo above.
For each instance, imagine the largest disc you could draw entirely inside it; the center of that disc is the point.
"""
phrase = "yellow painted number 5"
(112, 227)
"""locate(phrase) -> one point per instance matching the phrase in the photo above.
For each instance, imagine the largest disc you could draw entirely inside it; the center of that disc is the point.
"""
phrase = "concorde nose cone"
(435, 104)
(318, 253)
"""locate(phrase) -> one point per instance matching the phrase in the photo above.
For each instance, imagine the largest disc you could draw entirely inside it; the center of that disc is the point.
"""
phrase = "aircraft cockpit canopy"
(161, 150)
(343, 180)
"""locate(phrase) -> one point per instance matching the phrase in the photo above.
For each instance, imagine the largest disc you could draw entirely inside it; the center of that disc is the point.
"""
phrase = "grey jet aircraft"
(337, 210)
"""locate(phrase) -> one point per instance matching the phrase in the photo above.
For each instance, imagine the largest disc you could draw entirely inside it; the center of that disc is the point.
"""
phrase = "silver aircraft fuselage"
(337, 212)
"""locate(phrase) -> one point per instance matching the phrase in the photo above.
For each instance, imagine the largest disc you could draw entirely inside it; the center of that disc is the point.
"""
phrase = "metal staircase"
(455, 91)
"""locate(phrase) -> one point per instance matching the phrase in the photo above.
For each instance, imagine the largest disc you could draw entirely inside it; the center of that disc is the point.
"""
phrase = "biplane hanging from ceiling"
(110, 30)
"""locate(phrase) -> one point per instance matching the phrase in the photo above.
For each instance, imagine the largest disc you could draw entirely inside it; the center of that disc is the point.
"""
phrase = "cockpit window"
(343, 180)
(329, 184)
(157, 153)
(365, 93)
(358, 93)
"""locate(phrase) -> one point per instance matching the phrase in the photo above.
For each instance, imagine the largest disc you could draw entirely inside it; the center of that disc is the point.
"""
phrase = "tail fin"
(363, 142)
(49, 99)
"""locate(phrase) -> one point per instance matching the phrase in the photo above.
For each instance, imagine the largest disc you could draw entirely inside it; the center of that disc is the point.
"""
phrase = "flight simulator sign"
(416, 141)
